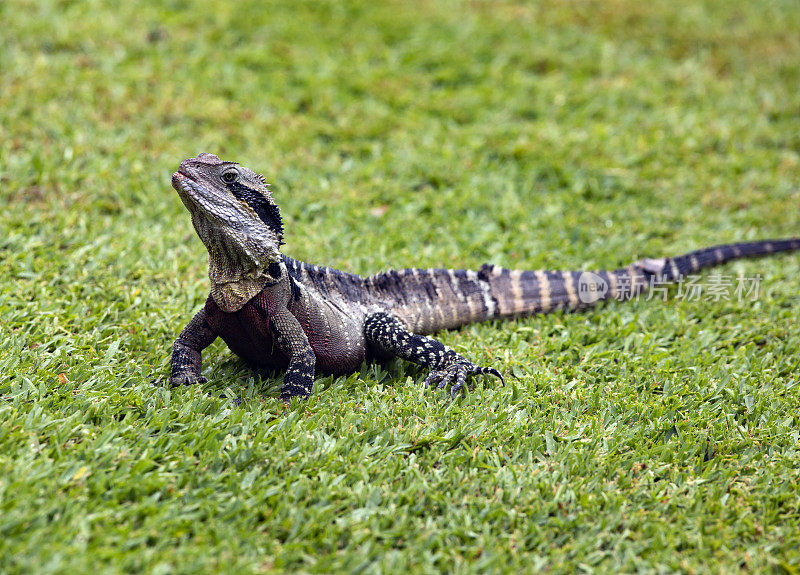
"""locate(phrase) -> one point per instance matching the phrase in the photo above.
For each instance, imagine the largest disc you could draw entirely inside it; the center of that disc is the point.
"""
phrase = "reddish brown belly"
(247, 334)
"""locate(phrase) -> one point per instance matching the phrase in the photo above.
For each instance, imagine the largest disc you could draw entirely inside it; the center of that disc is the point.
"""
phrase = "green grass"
(647, 436)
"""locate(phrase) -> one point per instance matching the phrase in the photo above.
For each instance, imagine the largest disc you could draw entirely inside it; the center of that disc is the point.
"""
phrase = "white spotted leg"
(388, 334)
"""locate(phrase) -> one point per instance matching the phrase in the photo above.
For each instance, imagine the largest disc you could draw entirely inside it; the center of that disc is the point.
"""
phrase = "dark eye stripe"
(267, 212)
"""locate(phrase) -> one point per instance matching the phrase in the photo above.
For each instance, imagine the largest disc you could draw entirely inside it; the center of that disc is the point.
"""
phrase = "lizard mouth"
(178, 180)
(199, 199)
(188, 189)
(186, 185)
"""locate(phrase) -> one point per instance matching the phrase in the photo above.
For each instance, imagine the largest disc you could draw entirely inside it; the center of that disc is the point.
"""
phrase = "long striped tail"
(686, 264)
(526, 292)
(428, 300)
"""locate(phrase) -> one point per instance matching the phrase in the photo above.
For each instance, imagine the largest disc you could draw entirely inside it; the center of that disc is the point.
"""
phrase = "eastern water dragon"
(280, 313)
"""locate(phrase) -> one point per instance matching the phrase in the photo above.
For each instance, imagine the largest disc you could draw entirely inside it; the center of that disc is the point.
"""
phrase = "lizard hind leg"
(388, 335)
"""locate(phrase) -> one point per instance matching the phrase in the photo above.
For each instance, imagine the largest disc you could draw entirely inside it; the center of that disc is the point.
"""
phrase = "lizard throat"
(238, 272)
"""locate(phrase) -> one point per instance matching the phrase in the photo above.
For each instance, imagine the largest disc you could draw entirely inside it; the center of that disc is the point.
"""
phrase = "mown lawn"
(648, 436)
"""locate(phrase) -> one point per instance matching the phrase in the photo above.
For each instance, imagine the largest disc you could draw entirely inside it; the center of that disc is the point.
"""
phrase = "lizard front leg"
(290, 337)
(187, 357)
(389, 335)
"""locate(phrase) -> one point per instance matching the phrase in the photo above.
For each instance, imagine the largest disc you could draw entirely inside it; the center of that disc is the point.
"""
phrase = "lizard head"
(233, 213)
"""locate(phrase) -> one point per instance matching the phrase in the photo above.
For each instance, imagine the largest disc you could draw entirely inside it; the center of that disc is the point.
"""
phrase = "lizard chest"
(336, 338)
(247, 333)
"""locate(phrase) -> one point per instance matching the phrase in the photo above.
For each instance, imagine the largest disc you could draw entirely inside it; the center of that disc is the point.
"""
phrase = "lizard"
(279, 313)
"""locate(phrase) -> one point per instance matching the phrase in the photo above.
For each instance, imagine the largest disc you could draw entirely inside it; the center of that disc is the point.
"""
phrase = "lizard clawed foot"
(455, 371)
(182, 379)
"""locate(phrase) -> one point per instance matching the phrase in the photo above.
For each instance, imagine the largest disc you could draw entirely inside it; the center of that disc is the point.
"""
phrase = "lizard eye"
(229, 176)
